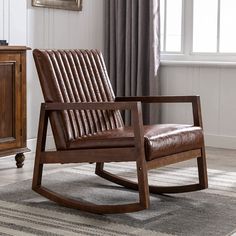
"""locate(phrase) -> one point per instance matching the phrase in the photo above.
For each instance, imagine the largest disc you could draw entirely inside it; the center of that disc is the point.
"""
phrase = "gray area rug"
(208, 212)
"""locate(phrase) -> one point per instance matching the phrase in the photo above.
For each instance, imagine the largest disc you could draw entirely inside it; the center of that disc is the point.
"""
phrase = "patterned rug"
(208, 212)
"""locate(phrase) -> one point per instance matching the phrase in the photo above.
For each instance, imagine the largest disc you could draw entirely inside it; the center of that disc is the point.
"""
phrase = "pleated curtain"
(132, 50)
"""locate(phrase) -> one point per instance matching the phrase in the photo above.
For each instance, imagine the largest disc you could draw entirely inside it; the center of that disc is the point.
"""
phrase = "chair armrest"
(195, 100)
(135, 107)
(159, 99)
(91, 106)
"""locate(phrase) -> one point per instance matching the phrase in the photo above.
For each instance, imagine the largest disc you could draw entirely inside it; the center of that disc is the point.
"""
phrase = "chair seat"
(160, 140)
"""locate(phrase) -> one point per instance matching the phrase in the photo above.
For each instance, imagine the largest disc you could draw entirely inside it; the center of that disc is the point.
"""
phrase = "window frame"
(186, 53)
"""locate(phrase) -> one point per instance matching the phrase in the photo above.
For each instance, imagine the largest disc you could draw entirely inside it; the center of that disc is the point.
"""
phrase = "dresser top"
(14, 48)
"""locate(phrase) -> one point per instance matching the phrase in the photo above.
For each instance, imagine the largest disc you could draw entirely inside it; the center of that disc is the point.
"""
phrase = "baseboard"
(219, 141)
(31, 143)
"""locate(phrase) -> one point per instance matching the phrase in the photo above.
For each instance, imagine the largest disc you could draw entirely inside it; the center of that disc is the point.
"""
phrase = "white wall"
(13, 21)
(216, 84)
(22, 24)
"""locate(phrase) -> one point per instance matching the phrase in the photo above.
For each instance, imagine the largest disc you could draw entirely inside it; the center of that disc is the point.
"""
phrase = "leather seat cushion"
(159, 140)
(164, 140)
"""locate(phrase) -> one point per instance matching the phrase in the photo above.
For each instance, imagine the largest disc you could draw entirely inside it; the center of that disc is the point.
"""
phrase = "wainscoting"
(13, 21)
(22, 24)
(216, 84)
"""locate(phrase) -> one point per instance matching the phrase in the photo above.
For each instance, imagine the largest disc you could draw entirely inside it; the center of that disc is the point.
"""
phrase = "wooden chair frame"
(102, 155)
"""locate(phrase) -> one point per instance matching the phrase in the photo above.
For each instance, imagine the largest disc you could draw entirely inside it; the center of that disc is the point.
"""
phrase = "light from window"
(198, 26)
(227, 26)
(171, 25)
(205, 25)
(162, 23)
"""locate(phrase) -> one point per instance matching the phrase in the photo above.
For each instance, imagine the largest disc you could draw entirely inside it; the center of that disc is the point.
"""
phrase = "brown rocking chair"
(87, 127)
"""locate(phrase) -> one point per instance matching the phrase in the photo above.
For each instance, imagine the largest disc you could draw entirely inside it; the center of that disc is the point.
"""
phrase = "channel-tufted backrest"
(76, 76)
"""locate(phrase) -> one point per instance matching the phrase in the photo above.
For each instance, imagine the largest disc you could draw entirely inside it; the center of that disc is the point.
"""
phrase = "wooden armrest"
(159, 99)
(195, 100)
(91, 106)
(135, 107)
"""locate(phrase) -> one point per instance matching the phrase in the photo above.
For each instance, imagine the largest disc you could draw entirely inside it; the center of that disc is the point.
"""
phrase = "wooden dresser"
(13, 102)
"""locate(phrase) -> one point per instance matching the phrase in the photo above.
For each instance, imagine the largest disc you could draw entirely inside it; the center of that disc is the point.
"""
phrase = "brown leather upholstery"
(160, 140)
(81, 76)
(163, 140)
(76, 76)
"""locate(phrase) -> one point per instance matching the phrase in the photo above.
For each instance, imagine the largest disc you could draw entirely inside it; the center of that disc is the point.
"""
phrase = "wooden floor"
(219, 159)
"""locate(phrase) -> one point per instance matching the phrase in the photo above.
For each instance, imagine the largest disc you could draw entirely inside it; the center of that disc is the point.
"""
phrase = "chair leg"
(99, 168)
(141, 186)
(202, 170)
(37, 176)
(41, 143)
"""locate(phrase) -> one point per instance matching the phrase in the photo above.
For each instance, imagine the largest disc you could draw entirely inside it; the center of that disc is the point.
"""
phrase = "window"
(171, 25)
(198, 29)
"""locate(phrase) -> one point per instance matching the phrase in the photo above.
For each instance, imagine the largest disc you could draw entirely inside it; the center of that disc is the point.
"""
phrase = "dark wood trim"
(91, 106)
(85, 206)
(14, 48)
(13, 151)
(14, 141)
(40, 147)
(88, 155)
(172, 159)
(153, 189)
(195, 100)
(202, 169)
(20, 158)
(159, 99)
(141, 164)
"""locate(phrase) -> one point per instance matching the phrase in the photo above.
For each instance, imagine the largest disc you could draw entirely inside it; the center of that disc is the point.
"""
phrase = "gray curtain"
(132, 49)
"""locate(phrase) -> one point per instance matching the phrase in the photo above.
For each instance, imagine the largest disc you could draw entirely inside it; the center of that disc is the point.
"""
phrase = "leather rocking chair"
(87, 127)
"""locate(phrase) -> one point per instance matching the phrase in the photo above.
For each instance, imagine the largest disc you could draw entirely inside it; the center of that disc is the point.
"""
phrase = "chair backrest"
(76, 76)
